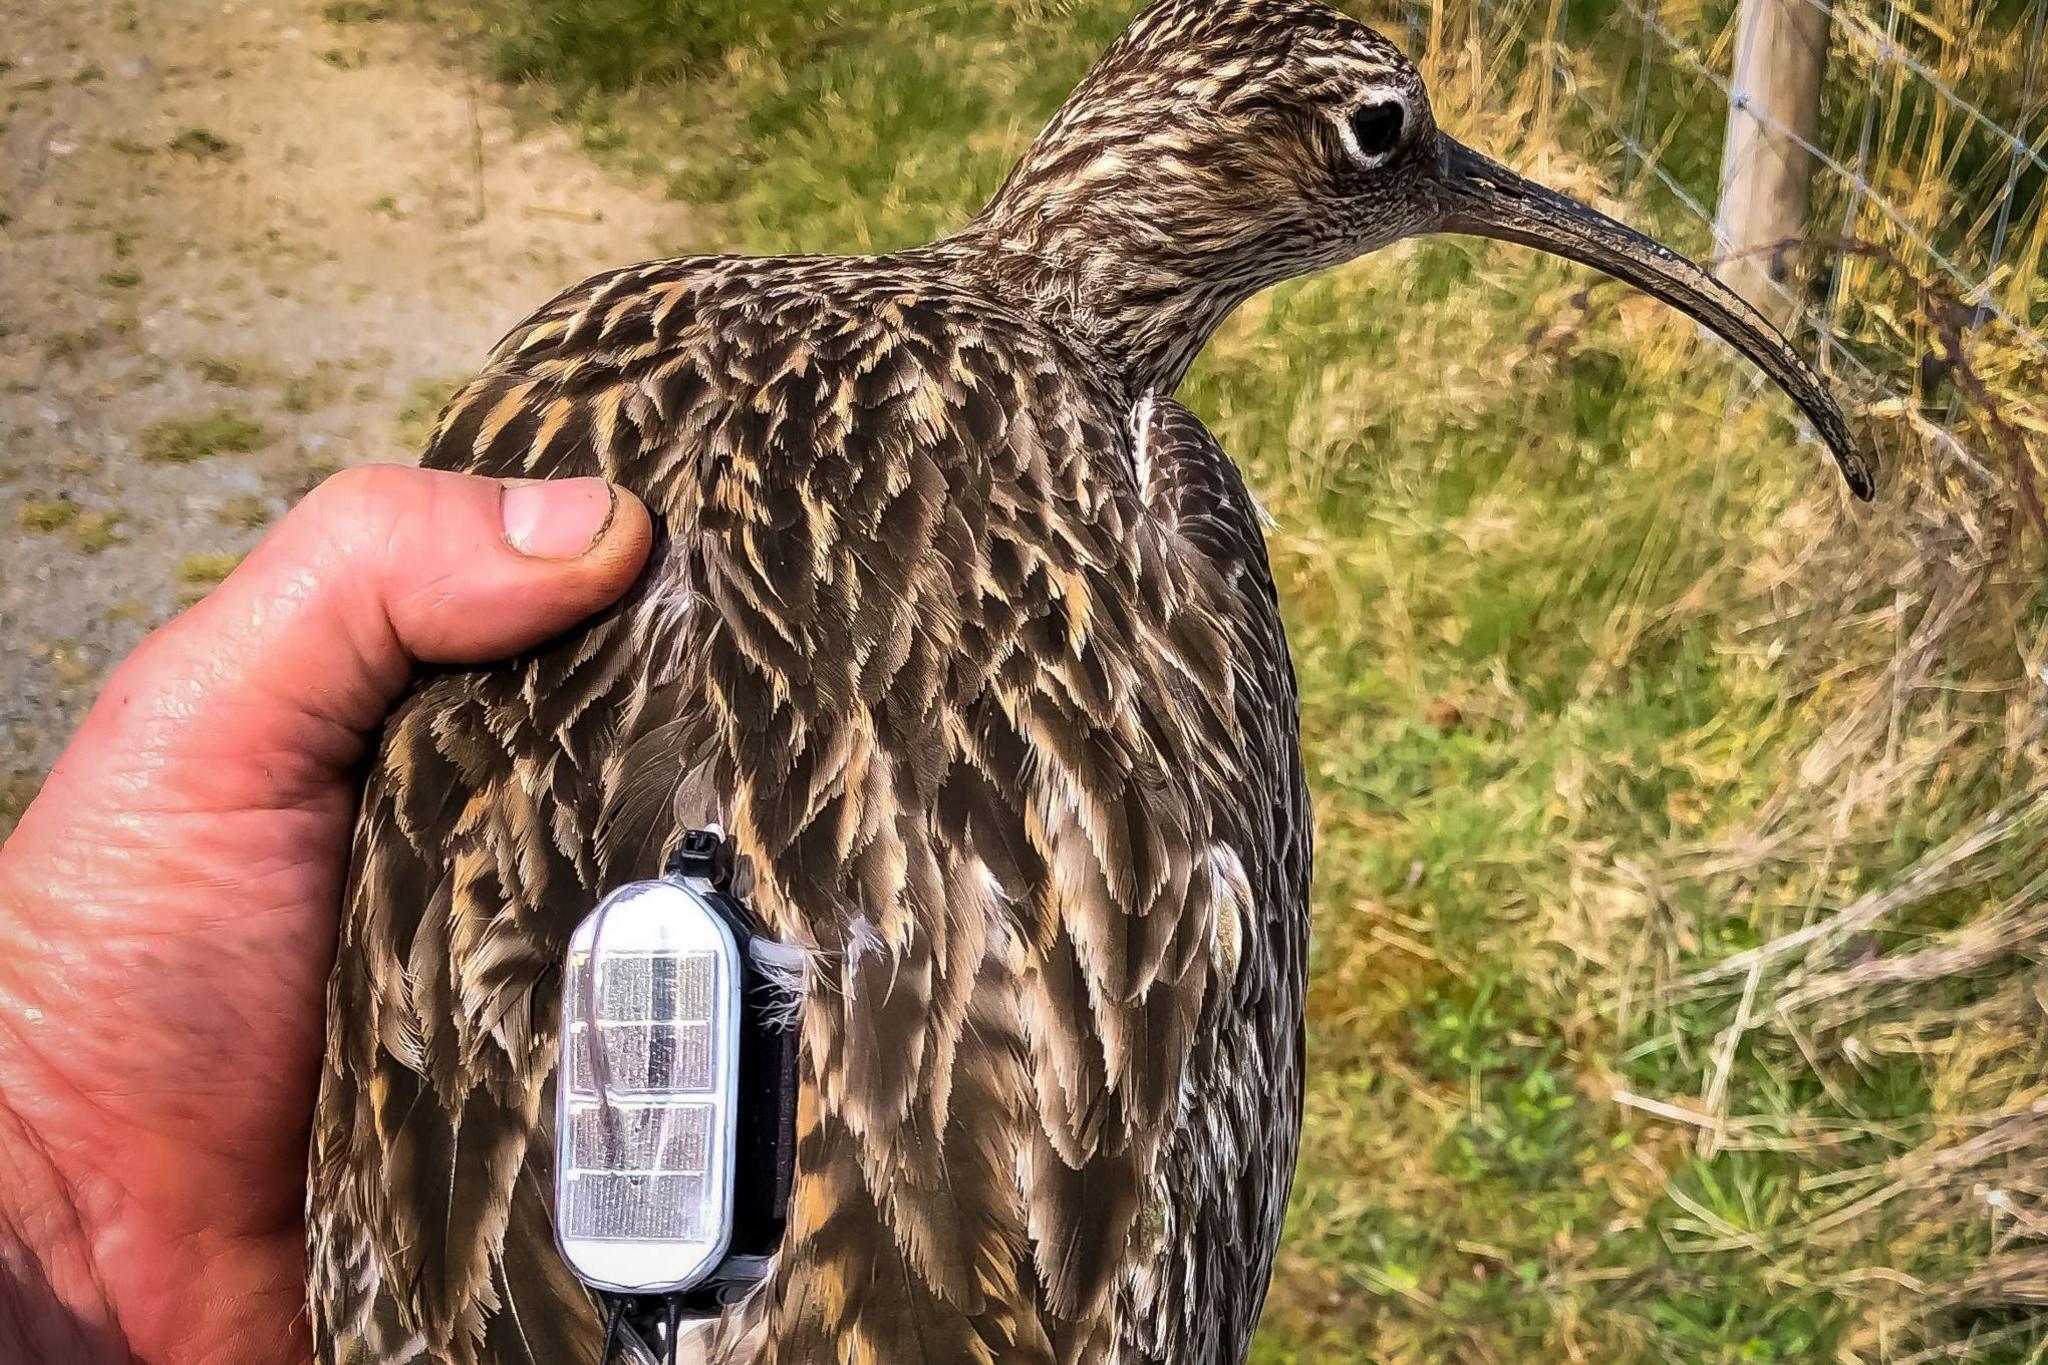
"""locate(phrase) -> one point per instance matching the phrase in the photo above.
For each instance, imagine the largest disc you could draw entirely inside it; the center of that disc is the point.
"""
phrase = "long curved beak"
(1483, 198)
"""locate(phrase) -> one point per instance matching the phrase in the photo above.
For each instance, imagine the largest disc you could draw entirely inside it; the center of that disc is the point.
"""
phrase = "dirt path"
(240, 245)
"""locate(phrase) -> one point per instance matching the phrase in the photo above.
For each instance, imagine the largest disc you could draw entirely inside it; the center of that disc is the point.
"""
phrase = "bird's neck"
(1140, 308)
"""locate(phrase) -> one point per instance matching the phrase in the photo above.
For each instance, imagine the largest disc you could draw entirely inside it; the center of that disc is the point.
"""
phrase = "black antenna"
(675, 1327)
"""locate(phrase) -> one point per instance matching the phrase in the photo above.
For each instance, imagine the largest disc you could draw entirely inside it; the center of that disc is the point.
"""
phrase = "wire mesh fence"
(1918, 278)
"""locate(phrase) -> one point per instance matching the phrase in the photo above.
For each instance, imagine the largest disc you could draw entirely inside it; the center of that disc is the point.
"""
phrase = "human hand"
(168, 905)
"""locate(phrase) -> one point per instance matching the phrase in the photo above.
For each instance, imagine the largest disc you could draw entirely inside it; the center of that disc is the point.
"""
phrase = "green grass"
(1541, 585)
(422, 407)
(93, 532)
(345, 12)
(300, 394)
(47, 515)
(613, 45)
(197, 574)
(182, 440)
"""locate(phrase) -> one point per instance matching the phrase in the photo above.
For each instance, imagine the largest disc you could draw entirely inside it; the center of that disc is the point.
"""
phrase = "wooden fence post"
(1781, 52)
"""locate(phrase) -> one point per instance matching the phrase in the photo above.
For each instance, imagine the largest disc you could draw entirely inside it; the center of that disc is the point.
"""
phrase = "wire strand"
(1831, 319)
(1691, 202)
(2035, 340)
(1886, 49)
(2027, 111)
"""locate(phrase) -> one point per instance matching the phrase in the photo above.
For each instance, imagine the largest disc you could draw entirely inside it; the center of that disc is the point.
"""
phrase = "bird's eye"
(1377, 128)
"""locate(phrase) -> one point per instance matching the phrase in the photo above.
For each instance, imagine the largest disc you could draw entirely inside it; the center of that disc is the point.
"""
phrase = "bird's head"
(1222, 146)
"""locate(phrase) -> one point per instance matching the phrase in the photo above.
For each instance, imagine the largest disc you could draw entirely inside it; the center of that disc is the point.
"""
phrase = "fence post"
(1781, 52)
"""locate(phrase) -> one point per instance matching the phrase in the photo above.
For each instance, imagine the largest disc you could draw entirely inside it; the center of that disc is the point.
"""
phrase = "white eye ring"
(1366, 131)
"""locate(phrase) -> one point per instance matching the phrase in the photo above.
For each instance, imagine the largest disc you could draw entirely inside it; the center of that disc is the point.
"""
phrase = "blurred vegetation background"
(1682, 909)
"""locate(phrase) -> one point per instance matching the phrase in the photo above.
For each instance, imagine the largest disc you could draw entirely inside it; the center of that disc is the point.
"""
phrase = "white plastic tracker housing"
(647, 1091)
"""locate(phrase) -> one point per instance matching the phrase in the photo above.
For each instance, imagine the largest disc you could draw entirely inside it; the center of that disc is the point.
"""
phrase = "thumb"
(168, 902)
(267, 690)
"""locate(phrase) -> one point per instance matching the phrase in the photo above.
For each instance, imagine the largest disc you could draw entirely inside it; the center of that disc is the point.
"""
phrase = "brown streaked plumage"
(964, 630)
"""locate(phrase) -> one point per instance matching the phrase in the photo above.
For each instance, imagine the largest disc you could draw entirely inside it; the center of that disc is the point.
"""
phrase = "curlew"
(962, 629)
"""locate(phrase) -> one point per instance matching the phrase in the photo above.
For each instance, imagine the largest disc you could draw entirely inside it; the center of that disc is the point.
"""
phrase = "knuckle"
(366, 491)
(371, 512)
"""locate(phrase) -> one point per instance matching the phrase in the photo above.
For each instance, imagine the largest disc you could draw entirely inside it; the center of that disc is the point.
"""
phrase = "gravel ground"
(241, 245)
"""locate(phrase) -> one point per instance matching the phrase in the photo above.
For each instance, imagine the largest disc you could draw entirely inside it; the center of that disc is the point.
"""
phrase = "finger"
(297, 657)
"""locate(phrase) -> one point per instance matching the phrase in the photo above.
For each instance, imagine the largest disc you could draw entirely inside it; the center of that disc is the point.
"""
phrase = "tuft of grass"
(124, 278)
(46, 516)
(94, 532)
(202, 572)
(203, 144)
(346, 12)
(63, 346)
(221, 370)
(17, 790)
(88, 532)
(321, 386)
(422, 407)
(183, 440)
(245, 512)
